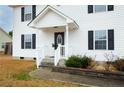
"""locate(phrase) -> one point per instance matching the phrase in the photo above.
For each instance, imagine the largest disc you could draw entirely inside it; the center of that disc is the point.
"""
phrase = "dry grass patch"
(102, 67)
(10, 68)
(35, 83)
(16, 73)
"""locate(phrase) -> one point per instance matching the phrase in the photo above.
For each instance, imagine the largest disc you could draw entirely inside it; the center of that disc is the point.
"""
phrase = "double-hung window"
(28, 13)
(28, 41)
(100, 39)
(100, 8)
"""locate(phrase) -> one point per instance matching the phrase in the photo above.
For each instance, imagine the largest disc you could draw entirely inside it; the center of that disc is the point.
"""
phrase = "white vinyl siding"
(79, 46)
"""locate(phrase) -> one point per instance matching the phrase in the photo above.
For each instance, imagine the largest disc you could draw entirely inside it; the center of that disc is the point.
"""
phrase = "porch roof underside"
(51, 17)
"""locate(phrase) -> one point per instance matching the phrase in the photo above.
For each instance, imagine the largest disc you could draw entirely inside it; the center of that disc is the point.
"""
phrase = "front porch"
(55, 46)
(55, 27)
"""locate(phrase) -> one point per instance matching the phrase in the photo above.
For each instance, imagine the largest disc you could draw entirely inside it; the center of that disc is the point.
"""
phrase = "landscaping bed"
(89, 72)
(84, 65)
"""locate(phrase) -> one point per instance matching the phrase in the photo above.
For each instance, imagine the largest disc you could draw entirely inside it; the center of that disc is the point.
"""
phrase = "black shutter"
(111, 39)
(33, 41)
(22, 14)
(90, 8)
(33, 11)
(110, 7)
(22, 41)
(90, 40)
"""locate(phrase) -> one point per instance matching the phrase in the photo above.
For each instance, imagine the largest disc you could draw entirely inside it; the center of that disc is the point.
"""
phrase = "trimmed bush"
(85, 61)
(78, 61)
(119, 64)
(73, 61)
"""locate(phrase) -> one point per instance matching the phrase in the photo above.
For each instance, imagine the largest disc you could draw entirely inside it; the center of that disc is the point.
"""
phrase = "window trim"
(95, 40)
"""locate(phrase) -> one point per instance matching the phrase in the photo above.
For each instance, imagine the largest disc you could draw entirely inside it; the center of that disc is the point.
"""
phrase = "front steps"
(49, 62)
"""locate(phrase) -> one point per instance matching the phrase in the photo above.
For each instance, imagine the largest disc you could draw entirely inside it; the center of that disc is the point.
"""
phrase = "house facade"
(60, 31)
(4, 39)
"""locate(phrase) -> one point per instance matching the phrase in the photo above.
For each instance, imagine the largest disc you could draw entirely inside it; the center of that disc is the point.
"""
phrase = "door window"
(59, 39)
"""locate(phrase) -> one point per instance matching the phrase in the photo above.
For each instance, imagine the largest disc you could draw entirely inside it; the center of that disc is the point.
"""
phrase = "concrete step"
(48, 60)
(47, 64)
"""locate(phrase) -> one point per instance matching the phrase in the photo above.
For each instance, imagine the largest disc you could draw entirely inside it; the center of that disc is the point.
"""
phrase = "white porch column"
(37, 49)
(66, 42)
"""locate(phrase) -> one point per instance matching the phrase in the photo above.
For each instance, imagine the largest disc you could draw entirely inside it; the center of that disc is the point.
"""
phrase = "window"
(100, 39)
(59, 39)
(28, 41)
(100, 8)
(27, 13)
(3, 45)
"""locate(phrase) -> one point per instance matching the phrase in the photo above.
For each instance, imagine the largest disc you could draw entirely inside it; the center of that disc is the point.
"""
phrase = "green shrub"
(78, 61)
(73, 61)
(119, 64)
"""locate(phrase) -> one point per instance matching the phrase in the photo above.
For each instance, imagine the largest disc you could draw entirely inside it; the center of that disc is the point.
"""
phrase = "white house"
(4, 38)
(59, 31)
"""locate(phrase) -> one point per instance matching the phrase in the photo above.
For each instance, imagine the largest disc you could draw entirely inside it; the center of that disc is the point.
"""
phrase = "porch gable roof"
(45, 10)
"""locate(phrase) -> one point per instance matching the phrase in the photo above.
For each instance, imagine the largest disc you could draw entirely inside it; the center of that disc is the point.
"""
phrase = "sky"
(6, 17)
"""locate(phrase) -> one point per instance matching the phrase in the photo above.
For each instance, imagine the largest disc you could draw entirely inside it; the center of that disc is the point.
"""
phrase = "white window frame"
(27, 41)
(100, 11)
(27, 13)
(104, 39)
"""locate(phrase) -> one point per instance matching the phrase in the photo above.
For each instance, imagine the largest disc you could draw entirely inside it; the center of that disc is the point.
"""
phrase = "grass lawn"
(15, 73)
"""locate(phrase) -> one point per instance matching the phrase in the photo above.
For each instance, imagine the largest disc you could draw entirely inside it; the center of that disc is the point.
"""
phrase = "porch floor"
(45, 73)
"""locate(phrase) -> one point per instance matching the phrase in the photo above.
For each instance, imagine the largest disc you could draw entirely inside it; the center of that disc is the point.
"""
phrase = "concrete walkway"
(82, 80)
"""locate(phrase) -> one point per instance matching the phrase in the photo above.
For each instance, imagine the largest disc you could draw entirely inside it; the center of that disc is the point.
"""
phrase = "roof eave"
(57, 11)
(14, 6)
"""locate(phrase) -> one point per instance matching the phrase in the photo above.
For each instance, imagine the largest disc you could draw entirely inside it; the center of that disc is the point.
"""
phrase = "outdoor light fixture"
(55, 27)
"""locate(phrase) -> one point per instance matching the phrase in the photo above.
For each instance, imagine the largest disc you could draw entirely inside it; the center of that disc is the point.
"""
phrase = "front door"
(58, 39)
